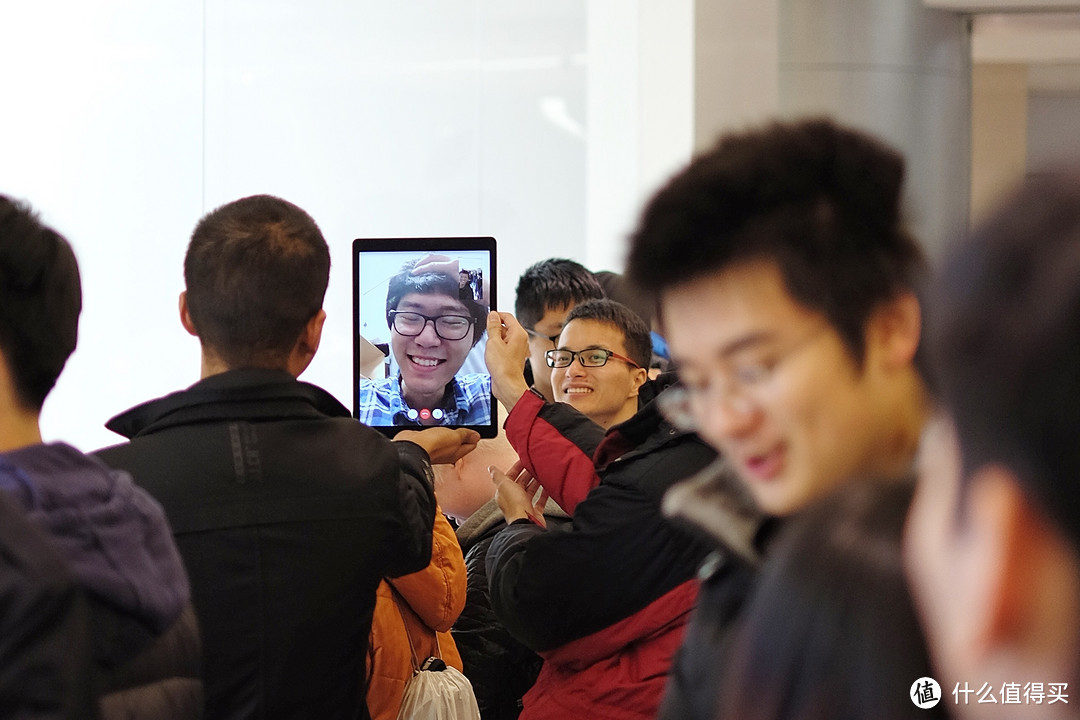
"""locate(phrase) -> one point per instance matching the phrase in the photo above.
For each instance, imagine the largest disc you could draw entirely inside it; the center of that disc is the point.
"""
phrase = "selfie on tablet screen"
(420, 312)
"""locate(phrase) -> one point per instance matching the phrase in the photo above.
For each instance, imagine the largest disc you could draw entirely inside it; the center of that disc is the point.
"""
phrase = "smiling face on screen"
(427, 361)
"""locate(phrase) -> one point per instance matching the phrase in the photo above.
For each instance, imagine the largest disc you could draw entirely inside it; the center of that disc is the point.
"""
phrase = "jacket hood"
(488, 516)
(715, 503)
(113, 535)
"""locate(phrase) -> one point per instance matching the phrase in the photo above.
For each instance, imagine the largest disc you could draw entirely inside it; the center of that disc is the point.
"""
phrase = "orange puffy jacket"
(429, 600)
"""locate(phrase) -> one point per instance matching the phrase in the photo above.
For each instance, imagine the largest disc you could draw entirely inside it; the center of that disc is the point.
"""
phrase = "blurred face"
(772, 386)
(427, 361)
(607, 395)
(549, 326)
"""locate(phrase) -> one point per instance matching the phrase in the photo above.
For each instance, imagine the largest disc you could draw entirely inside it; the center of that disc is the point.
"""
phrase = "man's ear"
(1024, 573)
(895, 328)
(638, 378)
(1030, 573)
(185, 315)
(307, 344)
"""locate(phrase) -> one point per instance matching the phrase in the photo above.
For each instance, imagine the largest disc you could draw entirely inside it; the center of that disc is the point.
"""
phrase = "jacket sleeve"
(411, 516)
(555, 444)
(618, 556)
(437, 593)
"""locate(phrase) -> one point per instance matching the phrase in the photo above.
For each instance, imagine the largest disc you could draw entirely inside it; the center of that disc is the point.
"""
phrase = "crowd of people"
(779, 469)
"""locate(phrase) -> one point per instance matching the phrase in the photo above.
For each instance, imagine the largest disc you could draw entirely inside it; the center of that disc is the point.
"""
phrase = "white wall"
(125, 121)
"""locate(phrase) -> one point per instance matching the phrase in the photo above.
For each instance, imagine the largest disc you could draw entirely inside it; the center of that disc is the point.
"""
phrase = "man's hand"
(441, 264)
(443, 444)
(516, 494)
(505, 356)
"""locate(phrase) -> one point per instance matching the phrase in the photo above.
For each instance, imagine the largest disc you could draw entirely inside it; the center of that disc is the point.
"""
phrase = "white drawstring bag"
(436, 691)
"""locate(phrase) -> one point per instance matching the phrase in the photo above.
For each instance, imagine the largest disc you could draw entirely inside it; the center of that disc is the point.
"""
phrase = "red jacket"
(607, 601)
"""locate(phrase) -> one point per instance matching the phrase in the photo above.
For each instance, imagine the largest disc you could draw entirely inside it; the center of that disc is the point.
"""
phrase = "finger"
(541, 502)
(494, 325)
(515, 469)
(497, 475)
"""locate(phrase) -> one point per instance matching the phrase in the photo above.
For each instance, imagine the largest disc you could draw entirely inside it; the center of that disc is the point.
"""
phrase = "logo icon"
(925, 693)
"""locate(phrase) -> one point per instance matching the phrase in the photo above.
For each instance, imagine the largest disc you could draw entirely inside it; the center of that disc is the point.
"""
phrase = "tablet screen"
(420, 310)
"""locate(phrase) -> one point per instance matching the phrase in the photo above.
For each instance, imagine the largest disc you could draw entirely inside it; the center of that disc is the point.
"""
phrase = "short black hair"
(553, 283)
(433, 283)
(1003, 344)
(256, 272)
(820, 200)
(40, 302)
(635, 333)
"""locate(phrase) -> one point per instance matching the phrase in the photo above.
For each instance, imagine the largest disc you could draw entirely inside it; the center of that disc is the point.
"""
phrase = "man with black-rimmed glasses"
(432, 329)
(604, 602)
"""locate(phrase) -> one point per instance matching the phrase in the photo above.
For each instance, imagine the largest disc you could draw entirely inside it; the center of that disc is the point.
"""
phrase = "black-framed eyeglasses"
(591, 357)
(447, 327)
(553, 339)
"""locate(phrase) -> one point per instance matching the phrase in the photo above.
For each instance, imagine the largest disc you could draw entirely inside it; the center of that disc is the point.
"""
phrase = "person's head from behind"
(40, 301)
(462, 488)
(993, 544)
(785, 280)
(255, 273)
(546, 292)
(600, 361)
(432, 330)
(830, 630)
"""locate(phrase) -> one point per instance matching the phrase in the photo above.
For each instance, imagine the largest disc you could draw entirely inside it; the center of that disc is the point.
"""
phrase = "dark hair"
(635, 333)
(1003, 344)
(618, 288)
(819, 200)
(830, 631)
(552, 283)
(40, 302)
(433, 283)
(256, 272)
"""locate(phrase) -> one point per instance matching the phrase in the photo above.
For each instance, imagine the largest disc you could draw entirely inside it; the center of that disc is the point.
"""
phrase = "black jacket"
(714, 504)
(288, 513)
(606, 602)
(499, 667)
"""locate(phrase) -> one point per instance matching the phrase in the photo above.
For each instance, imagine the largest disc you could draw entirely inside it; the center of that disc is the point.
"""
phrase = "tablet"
(420, 310)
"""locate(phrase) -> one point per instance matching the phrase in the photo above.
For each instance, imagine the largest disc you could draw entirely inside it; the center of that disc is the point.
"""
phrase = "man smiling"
(604, 602)
(785, 279)
(432, 329)
(591, 370)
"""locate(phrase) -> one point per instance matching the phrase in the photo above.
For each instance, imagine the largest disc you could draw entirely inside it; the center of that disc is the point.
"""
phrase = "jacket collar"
(250, 394)
(714, 501)
(640, 435)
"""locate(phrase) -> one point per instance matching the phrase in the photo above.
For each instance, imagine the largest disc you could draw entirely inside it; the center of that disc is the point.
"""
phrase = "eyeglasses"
(592, 357)
(740, 388)
(553, 339)
(447, 327)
